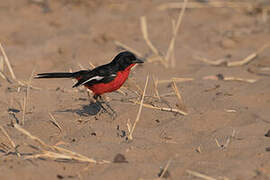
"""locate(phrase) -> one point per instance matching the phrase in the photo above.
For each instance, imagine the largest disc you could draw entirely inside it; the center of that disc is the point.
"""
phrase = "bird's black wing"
(102, 74)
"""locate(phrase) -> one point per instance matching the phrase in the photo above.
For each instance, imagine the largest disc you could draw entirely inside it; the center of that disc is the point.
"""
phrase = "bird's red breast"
(115, 84)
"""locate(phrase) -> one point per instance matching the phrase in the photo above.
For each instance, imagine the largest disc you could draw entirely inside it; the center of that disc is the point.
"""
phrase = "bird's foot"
(100, 101)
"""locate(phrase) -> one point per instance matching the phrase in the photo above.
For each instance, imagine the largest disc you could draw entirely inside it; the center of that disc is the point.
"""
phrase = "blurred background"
(215, 52)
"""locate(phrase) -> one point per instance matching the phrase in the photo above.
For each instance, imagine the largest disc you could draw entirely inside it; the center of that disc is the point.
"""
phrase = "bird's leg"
(100, 102)
(108, 106)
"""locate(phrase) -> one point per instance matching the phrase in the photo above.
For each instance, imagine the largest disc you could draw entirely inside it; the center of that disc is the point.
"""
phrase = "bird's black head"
(125, 59)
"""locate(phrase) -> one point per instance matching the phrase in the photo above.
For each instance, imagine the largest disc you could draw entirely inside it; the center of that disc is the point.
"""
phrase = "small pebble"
(93, 134)
(120, 158)
(220, 76)
(267, 134)
(60, 176)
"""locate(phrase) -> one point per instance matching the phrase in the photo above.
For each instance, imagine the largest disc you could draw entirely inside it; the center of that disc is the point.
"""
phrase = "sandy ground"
(223, 135)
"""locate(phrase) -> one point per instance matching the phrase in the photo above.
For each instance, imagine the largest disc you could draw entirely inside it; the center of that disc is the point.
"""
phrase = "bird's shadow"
(91, 109)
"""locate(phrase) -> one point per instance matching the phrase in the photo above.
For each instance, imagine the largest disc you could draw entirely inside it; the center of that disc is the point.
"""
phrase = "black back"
(107, 71)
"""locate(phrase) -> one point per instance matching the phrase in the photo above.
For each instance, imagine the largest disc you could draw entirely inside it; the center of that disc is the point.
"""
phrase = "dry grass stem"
(140, 110)
(173, 25)
(3, 76)
(199, 175)
(131, 84)
(240, 79)
(28, 134)
(75, 155)
(53, 120)
(61, 154)
(129, 125)
(210, 4)
(117, 43)
(182, 107)
(1, 63)
(120, 91)
(229, 139)
(145, 35)
(173, 61)
(23, 109)
(149, 43)
(58, 157)
(175, 79)
(80, 66)
(218, 144)
(165, 169)
(10, 141)
(170, 50)
(7, 62)
(198, 149)
(249, 58)
(230, 110)
(26, 96)
(242, 62)
(8, 137)
(92, 65)
(229, 78)
(259, 71)
(155, 58)
(156, 87)
(219, 62)
(25, 84)
(161, 108)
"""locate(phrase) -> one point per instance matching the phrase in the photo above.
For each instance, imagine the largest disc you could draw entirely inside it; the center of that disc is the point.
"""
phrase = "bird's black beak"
(137, 60)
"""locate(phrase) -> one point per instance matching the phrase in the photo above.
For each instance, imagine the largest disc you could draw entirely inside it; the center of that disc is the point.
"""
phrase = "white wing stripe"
(93, 78)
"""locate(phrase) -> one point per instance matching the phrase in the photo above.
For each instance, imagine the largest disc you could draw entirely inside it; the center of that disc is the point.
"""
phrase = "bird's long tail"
(56, 75)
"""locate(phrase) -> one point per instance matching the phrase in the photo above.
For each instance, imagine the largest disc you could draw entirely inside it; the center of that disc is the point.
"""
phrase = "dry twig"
(175, 79)
(61, 154)
(229, 78)
(242, 62)
(200, 175)
(10, 141)
(170, 50)
(26, 97)
(166, 168)
(229, 139)
(53, 120)
(182, 107)
(25, 84)
(156, 87)
(145, 36)
(148, 42)
(7, 62)
(1, 63)
(36, 139)
(139, 112)
(210, 4)
(8, 137)
(161, 108)
(2, 68)
(3, 76)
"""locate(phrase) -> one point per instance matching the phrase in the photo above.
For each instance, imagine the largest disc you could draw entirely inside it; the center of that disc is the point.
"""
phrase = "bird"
(102, 79)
